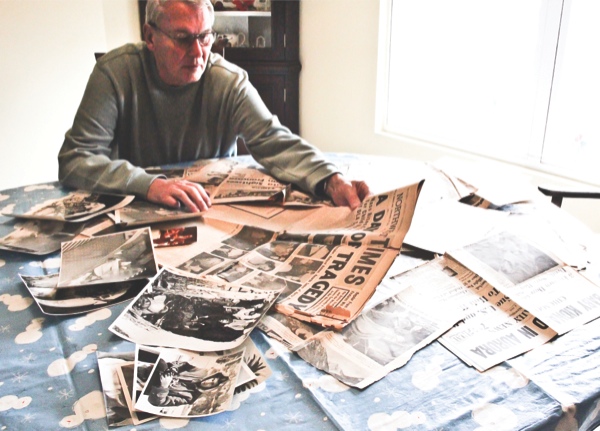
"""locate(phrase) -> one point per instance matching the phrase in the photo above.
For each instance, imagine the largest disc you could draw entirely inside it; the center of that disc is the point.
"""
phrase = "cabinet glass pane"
(243, 23)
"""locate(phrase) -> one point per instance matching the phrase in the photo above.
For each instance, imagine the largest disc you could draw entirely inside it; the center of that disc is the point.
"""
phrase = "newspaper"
(363, 245)
(141, 212)
(557, 294)
(525, 298)
(324, 276)
(230, 181)
(383, 337)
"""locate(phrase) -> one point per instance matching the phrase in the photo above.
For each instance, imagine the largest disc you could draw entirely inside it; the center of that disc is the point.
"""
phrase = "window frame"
(551, 53)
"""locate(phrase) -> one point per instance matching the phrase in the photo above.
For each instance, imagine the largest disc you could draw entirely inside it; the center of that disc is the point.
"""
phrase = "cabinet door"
(277, 84)
(260, 35)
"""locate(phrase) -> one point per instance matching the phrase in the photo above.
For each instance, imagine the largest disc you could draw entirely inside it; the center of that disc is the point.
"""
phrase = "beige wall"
(47, 54)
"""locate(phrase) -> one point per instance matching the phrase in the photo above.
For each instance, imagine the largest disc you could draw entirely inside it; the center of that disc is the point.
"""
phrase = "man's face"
(179, 64)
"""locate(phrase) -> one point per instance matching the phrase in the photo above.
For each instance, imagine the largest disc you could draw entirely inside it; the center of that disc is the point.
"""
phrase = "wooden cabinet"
(268, 49)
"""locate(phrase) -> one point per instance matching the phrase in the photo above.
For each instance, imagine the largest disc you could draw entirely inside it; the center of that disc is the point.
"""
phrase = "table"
(49, 378)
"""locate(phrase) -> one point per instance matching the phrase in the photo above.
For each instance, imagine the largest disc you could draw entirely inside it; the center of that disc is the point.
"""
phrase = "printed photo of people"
(72, 205)
(315, 251)
(249, 238)
(256, 261)
(201, 263)
(143, 212)
(75, 206)
(197, 314)
(299, 269)
(233, 272)
(262, 280)
(293, 237)
(278, 250)
(228, 252)
(190, 385)
(328, 239)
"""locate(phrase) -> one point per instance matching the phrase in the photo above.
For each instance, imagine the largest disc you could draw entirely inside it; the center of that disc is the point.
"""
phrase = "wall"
(47, 52)
(47, 55)
(338, 50)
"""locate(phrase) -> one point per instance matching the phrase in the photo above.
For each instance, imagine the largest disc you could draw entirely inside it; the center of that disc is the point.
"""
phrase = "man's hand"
(346, 193)
(177, 192)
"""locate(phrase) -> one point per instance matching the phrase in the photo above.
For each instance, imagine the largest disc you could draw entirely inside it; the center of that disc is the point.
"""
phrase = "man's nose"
(195, 48)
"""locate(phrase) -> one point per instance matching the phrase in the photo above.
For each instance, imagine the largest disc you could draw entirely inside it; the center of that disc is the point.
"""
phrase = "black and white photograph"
(201, 263)
(141, 212)
(261, 280)
(255, 363)
(387, 331)
(228, 252)
(299, 269)
(249, 238)
(192, 313)
(117, 411)
(78, 299)
(126, 372)
(186, 384)
(511, 256)
(111, 258)
(258, 262)
(76, 206)
(278, 250)
(39, 236)
(315, 251)
(233, 272)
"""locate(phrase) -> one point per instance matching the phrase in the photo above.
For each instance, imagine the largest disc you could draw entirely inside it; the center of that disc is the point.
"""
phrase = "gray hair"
(154, 8)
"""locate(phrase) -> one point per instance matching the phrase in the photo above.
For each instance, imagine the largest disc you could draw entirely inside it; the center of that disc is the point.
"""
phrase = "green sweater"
(129, 119)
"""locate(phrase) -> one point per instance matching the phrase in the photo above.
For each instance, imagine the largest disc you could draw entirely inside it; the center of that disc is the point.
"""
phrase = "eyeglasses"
(186, 40)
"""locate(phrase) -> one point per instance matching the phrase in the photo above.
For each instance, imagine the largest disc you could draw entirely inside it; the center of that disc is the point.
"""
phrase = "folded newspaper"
(232, 181)
(514, 296)
(325, 267)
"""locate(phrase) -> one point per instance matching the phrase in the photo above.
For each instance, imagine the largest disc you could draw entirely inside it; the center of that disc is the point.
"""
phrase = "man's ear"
(149, 36)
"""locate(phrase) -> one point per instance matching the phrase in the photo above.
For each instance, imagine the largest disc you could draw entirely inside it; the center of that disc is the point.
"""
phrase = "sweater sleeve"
(285, 155)
(89, 156)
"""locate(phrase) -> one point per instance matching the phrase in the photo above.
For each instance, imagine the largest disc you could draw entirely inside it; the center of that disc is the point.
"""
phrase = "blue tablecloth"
(49, 378)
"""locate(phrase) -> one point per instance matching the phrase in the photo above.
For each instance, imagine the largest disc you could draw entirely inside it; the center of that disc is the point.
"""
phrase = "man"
(170, 100)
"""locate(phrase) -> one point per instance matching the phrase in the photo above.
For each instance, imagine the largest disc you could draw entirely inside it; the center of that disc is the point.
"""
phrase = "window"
(510, 79)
